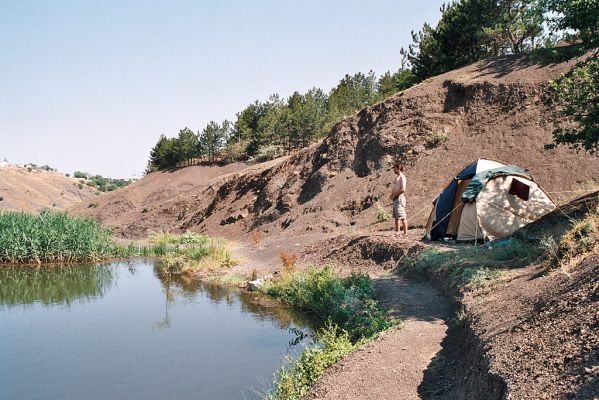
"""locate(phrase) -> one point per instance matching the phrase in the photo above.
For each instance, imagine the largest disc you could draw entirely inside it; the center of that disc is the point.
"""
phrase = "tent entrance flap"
(458, 206)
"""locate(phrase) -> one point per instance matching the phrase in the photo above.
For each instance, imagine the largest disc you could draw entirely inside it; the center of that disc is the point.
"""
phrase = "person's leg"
(396, 215)
(405, 226)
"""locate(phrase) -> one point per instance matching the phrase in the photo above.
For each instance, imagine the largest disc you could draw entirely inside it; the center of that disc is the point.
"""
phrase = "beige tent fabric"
(469, 228)
(483, 165)
(500, 214)
(456, 215)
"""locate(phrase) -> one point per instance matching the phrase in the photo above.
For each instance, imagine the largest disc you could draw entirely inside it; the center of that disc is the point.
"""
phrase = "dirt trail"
(392, 367)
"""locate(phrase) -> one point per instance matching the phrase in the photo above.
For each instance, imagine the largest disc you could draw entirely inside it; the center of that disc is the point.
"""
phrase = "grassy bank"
(191, 254)
(470, 266)
(57, 237)
(349, 312)
(52, 237)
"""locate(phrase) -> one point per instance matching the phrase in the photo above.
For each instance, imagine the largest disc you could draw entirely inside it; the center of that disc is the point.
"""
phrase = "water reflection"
(123, 324)
(65, 284)
(52, 285)
(259, 306)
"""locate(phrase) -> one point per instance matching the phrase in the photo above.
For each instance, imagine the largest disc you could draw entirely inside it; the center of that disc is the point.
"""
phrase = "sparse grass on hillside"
(436, 140)
(349, 311)
(471, 266)
(561, 242)
(52, 237)
(581, 238)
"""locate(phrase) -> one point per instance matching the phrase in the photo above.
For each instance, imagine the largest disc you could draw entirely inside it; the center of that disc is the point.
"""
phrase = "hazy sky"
(91, 85)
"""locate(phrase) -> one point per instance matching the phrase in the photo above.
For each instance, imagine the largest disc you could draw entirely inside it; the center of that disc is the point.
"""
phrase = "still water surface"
(119, 331)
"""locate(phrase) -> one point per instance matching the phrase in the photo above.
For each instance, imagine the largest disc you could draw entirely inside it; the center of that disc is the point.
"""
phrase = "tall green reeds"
(52, 237)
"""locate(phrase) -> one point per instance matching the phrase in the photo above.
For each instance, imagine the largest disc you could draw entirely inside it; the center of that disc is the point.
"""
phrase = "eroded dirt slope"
(24, 190)
(495, 109)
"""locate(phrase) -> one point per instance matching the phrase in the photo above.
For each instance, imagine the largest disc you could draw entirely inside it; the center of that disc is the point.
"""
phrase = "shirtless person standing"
(398, 196)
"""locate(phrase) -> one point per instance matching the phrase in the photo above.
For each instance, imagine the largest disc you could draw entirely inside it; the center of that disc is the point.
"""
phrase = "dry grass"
(257, 237)
(582, 238)
(288, 260)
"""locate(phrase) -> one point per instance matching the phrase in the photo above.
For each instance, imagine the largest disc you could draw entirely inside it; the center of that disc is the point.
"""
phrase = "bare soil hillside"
(496, 109)
(33, 190)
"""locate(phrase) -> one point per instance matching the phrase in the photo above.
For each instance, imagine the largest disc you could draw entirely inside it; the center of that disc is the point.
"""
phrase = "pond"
(120, 331)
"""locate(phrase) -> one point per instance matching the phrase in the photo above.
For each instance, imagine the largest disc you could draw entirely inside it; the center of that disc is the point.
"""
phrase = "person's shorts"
(399, 208)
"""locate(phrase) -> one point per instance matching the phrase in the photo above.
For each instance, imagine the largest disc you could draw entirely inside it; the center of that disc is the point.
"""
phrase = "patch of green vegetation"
(554, 55)
(347, 302)
(191, 253)
(52, 237)
(167, 238)
(349, 311)
(381, 214)
(228, 279)
(436, 140)
(475, 267)
(101, 183)
(294, 381)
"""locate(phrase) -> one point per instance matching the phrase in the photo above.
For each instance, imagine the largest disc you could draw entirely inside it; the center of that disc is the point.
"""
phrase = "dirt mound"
(32, 190)
(496, 109)
(540, 328)
(542, 333)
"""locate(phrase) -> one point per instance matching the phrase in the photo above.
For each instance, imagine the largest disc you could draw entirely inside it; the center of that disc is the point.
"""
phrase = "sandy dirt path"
(392, 367)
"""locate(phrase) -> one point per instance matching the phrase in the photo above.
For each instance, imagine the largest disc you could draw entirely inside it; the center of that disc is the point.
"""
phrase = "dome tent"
(487, 200)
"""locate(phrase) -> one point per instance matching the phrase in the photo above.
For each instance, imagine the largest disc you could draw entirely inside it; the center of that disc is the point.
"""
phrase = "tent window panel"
(520, 189)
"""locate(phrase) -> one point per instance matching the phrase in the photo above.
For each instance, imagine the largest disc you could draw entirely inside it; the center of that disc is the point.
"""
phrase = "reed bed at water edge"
(52, 237)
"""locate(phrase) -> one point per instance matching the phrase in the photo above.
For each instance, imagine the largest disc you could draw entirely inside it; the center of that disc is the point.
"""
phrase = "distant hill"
(499, 108)
(33, 189)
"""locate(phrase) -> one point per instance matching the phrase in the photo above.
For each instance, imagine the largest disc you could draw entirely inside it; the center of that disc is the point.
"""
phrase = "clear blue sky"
(90, 85)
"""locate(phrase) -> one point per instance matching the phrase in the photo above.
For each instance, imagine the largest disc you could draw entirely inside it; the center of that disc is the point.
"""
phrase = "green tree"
(213, 139)
(577, 92)
(581, 16)
(163, 155)
(389, 83)
(306, 119)
(187, 145)
(246, 126)
(458, 39)
(353, 93)
(518, 26)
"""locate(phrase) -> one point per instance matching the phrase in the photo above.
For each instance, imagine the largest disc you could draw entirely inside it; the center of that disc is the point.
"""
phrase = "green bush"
(347, 302)
(268, 152)
(381, 214)
(52, 237)
(351, 317)
(294, 381)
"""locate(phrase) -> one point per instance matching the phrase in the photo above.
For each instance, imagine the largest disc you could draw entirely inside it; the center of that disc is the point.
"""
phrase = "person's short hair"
(399, 166)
